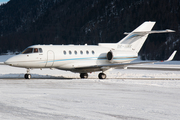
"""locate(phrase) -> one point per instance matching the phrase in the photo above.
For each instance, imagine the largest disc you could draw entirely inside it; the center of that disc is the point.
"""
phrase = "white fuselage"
(69, 57)
(86, 58)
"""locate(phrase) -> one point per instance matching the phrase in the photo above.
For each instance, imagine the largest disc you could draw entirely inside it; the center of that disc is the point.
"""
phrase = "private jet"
(85, 59)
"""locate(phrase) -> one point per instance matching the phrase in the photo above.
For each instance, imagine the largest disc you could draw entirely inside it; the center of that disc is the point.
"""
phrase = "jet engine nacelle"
(118, 56)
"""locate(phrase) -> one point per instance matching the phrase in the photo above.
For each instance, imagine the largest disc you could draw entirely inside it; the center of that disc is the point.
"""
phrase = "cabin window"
(28, 50)
(70, 52)
(87, 52)
(75, 52)
(93, 52)
(64, 52)
(81, 52)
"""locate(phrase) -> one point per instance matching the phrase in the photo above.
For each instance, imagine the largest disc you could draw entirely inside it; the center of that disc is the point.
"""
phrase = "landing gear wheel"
(84, 75)
(27, 76)
(102, 76)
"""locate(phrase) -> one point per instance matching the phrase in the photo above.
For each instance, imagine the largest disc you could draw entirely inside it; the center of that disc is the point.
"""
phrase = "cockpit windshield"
(32, 50)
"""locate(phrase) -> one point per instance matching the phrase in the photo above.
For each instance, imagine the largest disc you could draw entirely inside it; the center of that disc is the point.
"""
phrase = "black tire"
(102, 76)
(27, 76)
(84, 75)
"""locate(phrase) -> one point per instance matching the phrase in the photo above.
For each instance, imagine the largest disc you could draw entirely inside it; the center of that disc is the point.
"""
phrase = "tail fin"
(136, 38)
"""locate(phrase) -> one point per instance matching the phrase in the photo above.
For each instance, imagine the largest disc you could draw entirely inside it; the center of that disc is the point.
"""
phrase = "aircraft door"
(50, 58)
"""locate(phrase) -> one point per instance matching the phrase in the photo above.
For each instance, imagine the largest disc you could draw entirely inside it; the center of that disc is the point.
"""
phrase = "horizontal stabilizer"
(150, 32)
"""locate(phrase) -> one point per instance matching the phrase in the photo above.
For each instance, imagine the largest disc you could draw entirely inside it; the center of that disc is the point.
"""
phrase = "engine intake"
(109, 55)
(118, 56)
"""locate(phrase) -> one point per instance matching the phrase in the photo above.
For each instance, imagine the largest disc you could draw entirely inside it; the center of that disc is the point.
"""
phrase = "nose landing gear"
(27, 75)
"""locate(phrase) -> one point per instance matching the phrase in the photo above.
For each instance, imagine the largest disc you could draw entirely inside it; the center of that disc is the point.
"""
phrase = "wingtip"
(168, 30)
(172, 56)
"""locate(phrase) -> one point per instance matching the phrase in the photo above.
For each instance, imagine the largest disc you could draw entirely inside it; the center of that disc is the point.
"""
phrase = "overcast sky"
(3, 1)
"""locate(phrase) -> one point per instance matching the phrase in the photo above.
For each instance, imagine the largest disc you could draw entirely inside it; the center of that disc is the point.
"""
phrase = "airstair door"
(50, 59)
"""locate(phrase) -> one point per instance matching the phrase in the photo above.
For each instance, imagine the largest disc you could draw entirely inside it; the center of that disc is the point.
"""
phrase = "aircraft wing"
(108, 66)
(124, 65)
(135, 63)
(163, 67)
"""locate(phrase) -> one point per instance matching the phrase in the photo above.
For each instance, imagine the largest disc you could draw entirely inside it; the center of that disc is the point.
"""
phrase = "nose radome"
(10, 61)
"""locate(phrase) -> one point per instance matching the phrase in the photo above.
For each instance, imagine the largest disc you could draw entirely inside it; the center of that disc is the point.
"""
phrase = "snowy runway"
(61, 95)
(52, 99)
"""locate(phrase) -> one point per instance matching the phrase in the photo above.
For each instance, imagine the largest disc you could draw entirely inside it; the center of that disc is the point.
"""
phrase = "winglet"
(172, 56)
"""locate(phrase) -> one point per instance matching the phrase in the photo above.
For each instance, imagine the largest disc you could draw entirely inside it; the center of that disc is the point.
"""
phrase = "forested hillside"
(28, 22)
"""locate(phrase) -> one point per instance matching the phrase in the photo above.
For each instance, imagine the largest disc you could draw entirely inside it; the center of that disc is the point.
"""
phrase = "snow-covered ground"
(61, 95)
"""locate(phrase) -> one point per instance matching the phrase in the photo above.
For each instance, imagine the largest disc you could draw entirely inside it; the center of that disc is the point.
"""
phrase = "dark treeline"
(28, 22)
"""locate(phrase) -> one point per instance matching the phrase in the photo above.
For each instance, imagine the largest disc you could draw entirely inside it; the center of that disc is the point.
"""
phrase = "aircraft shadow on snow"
(35, 76)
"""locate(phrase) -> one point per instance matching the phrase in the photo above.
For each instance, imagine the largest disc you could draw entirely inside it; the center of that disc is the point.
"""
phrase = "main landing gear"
(102, 76)
(85, 75)
(27, 75)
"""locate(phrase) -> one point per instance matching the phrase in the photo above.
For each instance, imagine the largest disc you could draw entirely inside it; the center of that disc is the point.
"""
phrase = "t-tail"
(135, 40)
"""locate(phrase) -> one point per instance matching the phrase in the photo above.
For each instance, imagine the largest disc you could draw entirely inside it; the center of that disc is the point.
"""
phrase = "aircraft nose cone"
(8, 62)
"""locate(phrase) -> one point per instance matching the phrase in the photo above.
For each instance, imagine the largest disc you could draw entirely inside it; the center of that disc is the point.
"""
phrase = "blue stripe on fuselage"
(96, 58)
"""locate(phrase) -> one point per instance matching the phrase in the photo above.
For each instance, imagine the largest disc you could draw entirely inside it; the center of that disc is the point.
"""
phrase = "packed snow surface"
(61, 95)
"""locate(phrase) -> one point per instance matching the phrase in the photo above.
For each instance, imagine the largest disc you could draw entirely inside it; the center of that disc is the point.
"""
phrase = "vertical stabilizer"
(136, 38)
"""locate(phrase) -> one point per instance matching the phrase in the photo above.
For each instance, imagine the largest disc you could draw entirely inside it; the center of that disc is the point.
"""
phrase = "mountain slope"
(24, 23)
